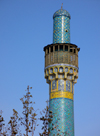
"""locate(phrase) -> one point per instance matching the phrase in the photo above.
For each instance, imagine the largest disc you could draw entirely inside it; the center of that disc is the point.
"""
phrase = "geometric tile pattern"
(61, 85)
(61, 90)
(61, 12)
(68, 87)
(61, 105)
(63, 116)
(61, 27)
(54, 84)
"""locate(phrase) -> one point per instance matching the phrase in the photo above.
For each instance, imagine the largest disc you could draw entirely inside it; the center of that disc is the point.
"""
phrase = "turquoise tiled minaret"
(61, 73)
(61, 26)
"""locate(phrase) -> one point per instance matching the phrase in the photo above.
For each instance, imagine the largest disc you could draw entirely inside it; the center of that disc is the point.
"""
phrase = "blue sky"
(26, 26)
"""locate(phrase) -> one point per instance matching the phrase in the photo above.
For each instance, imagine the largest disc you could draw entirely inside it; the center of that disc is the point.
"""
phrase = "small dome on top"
(61, 12)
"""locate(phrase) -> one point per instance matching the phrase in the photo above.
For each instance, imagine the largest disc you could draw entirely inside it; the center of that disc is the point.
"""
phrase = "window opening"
(48, 50)
(74, 51)
(56, 48)
(66, 30)
(66, 48)
(70, 48)
(61, 47)
(51, 48)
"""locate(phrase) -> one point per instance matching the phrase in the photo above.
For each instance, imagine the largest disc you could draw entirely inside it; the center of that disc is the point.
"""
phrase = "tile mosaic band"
(61, 94)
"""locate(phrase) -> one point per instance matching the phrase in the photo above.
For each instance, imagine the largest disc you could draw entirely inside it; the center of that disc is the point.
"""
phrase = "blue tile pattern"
(66, 69)
(60, 85)
(54, 84)
(61, 12)
(61, 69)
(55, 69)
(61, 27)
(68, 86)
(63, 116)
(61, 106)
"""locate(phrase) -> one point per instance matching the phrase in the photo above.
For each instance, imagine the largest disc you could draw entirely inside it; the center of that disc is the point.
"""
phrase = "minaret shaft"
(61, 30)
(61, 73)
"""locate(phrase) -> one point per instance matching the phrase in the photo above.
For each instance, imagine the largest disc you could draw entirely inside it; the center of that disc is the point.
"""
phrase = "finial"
(61, 5)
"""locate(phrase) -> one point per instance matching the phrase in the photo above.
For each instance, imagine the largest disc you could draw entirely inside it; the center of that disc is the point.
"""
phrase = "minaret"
(61, 73)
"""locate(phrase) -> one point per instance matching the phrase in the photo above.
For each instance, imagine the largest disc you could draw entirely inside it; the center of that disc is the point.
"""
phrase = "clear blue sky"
(26, 26)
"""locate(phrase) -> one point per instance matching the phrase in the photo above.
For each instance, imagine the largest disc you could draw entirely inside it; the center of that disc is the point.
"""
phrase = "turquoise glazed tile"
(54, 84)
(61, 27)
(63, 116)
(60, 85)
(68, 85)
